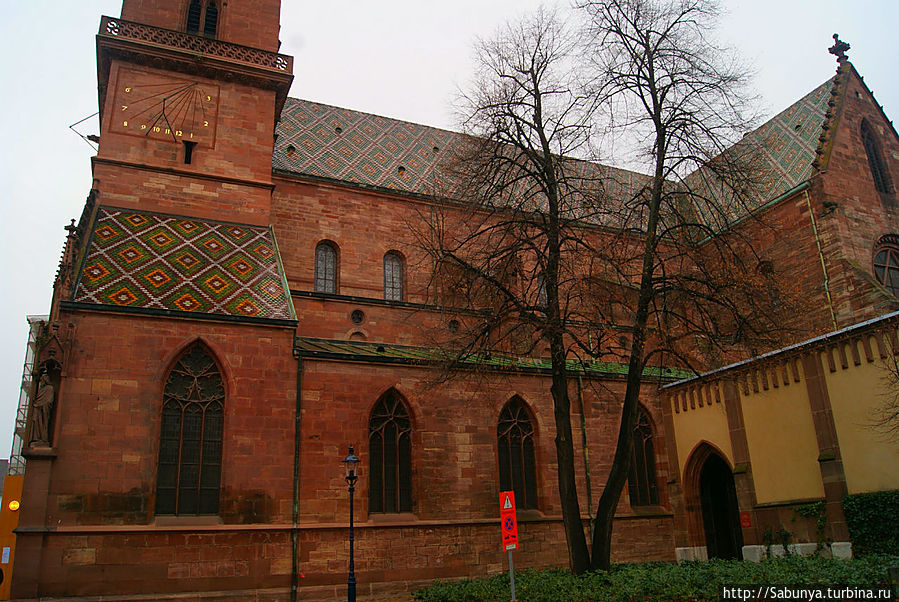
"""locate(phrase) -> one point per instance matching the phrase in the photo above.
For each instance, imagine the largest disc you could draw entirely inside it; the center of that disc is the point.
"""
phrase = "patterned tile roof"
(147, 261)
(339, 144)
(781, 154)
(329, 142)
(789, 140)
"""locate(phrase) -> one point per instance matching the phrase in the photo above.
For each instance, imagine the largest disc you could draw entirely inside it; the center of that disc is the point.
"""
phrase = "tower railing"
(111, 27)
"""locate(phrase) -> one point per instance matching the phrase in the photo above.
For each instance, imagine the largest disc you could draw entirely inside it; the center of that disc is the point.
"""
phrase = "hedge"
(662, 582)
(873, 521)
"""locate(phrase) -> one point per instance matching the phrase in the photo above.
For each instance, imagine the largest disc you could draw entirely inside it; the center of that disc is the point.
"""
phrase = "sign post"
(509, 524)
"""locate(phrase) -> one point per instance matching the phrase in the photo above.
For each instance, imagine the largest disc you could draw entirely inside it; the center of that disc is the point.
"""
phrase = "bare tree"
(698, 281)
(569, 254)
(512, 248)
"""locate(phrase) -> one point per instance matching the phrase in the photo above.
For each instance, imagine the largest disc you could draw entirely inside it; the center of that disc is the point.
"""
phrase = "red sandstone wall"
(102, 483)
(132, 170)
(254, 563)
(858, 215)
(785, 236)
(454, 455)
(108, 418)
(363, 225)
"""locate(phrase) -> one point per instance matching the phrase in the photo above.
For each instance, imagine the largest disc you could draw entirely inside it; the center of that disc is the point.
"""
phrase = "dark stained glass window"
(325, 268)
(390, 456)
(641, 480)
(517, 464)
(190, 449)
(879, 171)
(393, 277)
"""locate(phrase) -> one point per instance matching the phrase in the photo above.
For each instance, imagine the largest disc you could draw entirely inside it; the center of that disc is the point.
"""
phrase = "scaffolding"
(16, 460)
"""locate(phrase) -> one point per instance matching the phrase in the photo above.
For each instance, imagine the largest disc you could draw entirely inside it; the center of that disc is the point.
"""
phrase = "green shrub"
(873, 521)
(660, 581)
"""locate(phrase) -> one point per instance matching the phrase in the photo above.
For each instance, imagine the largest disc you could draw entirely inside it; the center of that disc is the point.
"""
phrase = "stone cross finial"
(839, 49)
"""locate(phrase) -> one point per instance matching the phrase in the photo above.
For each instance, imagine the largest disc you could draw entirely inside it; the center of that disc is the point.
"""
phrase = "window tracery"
(517, 458)
(190, 450)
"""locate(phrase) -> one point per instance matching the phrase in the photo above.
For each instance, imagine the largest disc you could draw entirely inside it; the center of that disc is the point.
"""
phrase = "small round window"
(886, 265)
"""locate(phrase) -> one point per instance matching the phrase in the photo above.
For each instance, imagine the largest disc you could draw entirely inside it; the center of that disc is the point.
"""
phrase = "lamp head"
(350, 463)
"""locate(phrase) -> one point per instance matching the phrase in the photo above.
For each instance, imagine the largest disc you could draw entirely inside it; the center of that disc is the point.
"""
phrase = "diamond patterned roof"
(324, 141)
(781, 151)
(330, 142)
(148, 261)
(787, 142)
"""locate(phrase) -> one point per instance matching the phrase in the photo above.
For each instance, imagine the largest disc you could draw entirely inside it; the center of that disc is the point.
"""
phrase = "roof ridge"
(379, 116)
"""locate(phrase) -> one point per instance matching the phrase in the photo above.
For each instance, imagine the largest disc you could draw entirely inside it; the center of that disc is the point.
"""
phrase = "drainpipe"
(294, 535)
(580, 397)
(811, 214)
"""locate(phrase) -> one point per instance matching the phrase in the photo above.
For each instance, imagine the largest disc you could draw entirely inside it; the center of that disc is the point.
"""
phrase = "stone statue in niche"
(43, 407)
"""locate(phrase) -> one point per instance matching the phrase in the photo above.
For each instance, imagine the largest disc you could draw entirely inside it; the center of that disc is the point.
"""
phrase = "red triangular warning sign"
(507, 505)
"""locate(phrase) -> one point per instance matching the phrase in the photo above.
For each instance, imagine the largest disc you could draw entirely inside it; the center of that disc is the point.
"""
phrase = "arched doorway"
(720, 512)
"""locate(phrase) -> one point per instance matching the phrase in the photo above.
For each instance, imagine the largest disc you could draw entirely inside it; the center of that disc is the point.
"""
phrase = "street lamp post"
(350, 463)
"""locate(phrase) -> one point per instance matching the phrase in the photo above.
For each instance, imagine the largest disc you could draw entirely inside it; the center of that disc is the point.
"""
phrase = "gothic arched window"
(325, 280)
(641, 480)
(393, 276)
(517, 464)
(878, 166)
(886, 262)
(190, 447)
(390, 456)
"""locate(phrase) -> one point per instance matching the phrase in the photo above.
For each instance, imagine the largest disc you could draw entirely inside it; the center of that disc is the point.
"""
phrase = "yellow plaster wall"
(708, 423)
(871, 462)
(783, 448)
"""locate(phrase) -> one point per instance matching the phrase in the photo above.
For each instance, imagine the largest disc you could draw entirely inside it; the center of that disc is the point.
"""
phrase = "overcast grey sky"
(402, 59)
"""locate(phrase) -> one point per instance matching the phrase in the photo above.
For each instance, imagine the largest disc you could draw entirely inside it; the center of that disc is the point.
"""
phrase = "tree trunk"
(608, 501)
(611, 493)
(578, 554)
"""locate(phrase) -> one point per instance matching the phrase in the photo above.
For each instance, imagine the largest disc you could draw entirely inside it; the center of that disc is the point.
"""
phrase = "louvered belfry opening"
(210, 22)
(641, 480)
(390, 456)
(190, 449)
(194, 13)
(208, 17)
(517, 462)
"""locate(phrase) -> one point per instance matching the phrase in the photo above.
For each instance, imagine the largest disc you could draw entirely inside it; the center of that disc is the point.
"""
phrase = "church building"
(242, 299)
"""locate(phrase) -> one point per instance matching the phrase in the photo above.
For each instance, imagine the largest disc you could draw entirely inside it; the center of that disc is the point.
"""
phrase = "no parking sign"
(507, 520)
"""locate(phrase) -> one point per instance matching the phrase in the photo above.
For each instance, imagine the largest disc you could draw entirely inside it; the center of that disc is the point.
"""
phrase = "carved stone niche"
(44, 400)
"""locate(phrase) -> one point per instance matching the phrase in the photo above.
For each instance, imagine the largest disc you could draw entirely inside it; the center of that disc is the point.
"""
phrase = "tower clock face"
(165, 108)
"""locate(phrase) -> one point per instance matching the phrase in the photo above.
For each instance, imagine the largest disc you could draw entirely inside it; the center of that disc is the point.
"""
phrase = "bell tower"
(189, 94)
